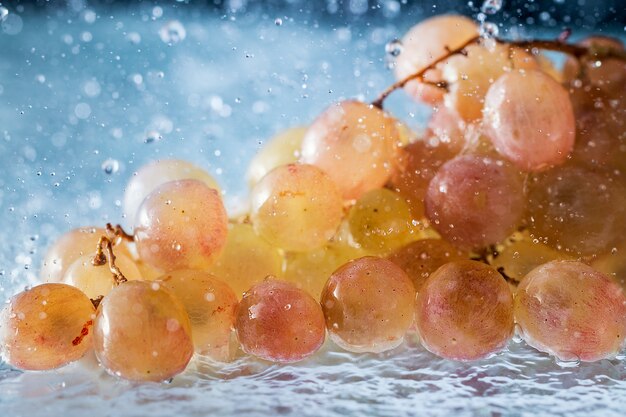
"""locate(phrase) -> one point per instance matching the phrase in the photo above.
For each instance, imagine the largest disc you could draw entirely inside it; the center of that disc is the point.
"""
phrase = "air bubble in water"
(172, 32)
(110, 166)
(4, 12)
(152, 136)
(392, 50)
(489, 30)
(491, 6)
(278, 21)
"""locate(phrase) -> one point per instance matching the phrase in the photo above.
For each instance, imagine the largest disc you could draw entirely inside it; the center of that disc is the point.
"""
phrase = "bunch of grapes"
(510, 209)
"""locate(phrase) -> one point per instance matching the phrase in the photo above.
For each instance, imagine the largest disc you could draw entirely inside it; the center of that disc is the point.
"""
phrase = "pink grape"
(475, 201)
(571, 311)
(530, 119)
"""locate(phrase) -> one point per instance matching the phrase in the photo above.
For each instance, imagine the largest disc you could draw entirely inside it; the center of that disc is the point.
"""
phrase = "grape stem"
(579, 52)
(104, 252)
(119, 232)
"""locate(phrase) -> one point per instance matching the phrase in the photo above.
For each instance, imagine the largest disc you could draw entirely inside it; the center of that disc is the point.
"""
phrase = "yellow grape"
(142, 332)
(181, 224)
(381, 221)
(571, 311)
(296, 207)
(470, 76)
(418, 164)
(46, 327)
(530, 120)
(156, 173)
(282, 149)
(368, 304)
(246, 259)
(464, 311)
(310, 270)
(522, 256)
(279, 322)
(421, 258)
(97, 281)
(426, 42)
(355, 144)
(210, 304)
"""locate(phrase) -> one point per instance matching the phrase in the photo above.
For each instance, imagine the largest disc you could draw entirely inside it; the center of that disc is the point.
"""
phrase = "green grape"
(296, 207)
(46, 327)
(246, 259)
(381, 221)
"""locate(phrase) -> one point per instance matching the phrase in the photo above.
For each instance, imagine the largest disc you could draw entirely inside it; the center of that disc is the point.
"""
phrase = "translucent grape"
(530, 120)
(310, 270)
(282, 149)
(470, 75)
(65, 250)
(421, 258)
(46, 327)
(381, 221)
(142, 332)
(355, 144)
(296, 207)
(418, 164)
(246, 259)
(475, 201)
(520, 257)
(181, 224)
(368, 305)
(156, 173)
(279, 322)
(465, 311)
(571, 311)
(97, 281)
(577, 210)
(210, 304)
(423, 44)
(446, 128)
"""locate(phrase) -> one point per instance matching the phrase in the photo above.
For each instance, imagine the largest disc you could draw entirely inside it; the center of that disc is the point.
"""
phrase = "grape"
(530, 119)
(355, 144)
(368, 305)
(282, 149)
(447, 129)
(296, 207)
(69, 247)
(210, 304)
(421, 258)
(577, 210)
(181, 224)
(475, 201)
(46, 327)
(606, 75)
(470, 75)
(246, 259)
(156, 173)
(381, 221)
(418, 164)
(426, 42)
(571, 311)
(310, 270)
(279, 322)
(142, 332)
(97, 281)
(520, 257)
(464, 311)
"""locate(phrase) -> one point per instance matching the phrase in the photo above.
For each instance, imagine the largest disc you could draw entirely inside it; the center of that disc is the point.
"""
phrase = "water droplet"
(491, 6)
(4, 12)
(172, 32)
(152, 136)
(278, 21)
(574, 362)
(110, 166)
(489, 30)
